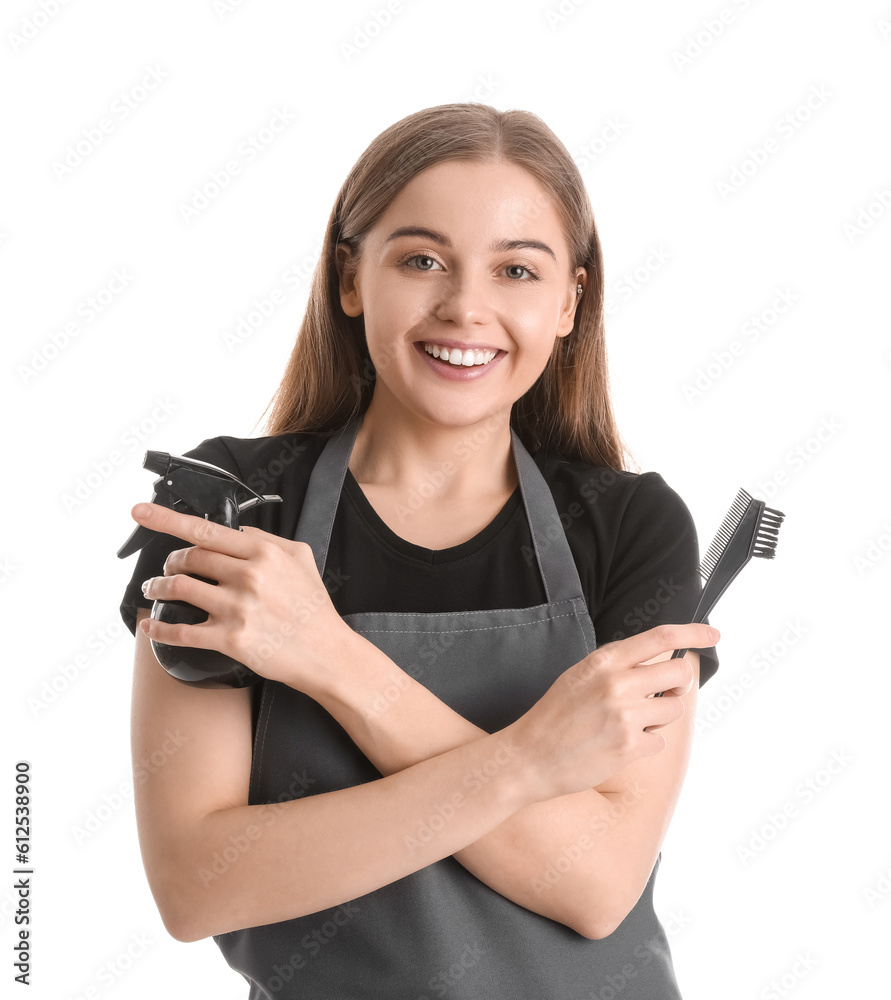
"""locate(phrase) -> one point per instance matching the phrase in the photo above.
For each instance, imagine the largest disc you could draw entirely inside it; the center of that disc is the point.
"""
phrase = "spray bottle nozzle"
(191, 486)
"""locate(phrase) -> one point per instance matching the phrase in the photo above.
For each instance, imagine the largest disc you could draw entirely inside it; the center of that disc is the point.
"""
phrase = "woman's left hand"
(270, 610)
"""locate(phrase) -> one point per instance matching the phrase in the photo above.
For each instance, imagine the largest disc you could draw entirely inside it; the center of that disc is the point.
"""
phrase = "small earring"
(578, 290)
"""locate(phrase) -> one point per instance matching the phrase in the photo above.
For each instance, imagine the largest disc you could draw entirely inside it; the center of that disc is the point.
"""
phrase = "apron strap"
(323, 492)
(556, 565)
(555, 562)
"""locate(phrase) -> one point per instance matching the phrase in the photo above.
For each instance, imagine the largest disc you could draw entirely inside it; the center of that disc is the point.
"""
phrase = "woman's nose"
(467, 298)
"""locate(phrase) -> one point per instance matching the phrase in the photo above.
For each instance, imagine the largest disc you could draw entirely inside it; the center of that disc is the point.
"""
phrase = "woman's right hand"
(269, 608)
(600, 715)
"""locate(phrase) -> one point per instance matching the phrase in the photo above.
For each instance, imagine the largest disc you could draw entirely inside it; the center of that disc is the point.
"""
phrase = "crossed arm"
(611, 834)
(509, 836)
(193, 805)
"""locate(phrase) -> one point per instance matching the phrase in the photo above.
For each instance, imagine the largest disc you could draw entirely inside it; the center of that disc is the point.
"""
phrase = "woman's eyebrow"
(443, 240)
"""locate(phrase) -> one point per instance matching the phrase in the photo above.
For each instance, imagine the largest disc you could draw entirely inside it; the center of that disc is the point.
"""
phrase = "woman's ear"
(573, 301)
(350, 296)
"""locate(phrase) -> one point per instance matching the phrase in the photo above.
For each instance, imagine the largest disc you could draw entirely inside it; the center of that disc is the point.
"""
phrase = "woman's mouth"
(456, 364)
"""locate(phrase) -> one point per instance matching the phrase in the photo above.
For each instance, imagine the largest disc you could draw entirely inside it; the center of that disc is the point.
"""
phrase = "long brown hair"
(330, 377)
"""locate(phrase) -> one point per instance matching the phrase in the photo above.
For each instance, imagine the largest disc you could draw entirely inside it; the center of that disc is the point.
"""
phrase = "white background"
(669, 144)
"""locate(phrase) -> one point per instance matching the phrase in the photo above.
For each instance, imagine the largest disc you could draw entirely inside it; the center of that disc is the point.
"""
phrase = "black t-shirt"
(631, 536)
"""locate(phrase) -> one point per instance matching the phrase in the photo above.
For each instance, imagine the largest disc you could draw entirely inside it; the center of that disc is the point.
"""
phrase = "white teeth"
(456, 357)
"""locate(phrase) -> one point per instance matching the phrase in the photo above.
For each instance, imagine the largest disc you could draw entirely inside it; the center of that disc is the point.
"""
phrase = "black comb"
(749, 529)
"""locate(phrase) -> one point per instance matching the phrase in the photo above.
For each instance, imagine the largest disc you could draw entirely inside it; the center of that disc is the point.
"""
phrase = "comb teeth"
(730, 523)
(767, 533)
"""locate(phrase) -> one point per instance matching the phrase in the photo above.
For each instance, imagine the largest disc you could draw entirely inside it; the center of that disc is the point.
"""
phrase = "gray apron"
(440, 932)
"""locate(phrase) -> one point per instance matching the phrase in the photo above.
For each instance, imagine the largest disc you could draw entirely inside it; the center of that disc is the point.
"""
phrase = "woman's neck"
(457, 463)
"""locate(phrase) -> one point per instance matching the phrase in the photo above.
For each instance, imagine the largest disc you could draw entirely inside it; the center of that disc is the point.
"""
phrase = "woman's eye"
(424, 262)
(422, 258)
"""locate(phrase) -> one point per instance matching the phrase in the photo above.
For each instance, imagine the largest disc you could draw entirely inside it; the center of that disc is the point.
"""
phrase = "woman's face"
(469, 255)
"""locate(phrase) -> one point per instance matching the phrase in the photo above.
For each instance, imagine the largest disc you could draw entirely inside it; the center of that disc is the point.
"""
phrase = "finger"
(686, 686)
(662, 639)
(206, 596)
(194, 636)
(665, 675)
(656, 741)
(249, 529)
(288, 545)
(200, 562)
(194, 529)
(662, 712)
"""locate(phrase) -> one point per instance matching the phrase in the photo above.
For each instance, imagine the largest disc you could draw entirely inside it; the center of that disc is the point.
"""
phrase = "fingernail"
(145, 584)
(714, 634)
(142, 510)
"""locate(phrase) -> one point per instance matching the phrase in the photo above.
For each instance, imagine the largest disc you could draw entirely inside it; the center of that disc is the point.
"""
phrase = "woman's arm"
(609, 836)
(215, 863)
(594, 721)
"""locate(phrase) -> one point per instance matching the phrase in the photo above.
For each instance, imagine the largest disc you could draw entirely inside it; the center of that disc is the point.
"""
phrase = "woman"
(446, 784)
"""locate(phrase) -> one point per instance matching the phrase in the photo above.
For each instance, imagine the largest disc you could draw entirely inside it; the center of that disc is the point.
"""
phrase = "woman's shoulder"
(271, 465)
(262, 462)
(583, 490)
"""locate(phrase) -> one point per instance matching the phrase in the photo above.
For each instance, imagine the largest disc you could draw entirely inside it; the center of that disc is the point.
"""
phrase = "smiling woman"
(493, 275)
(445, 765)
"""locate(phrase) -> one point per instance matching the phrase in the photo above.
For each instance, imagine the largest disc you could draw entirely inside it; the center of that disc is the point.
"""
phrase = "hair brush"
(749, 529)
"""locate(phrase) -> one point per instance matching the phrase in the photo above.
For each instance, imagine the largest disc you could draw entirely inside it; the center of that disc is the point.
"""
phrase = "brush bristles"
(720, 542)
(767, 533)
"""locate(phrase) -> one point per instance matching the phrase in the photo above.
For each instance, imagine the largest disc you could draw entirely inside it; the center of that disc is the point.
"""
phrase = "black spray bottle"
(190, 486)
